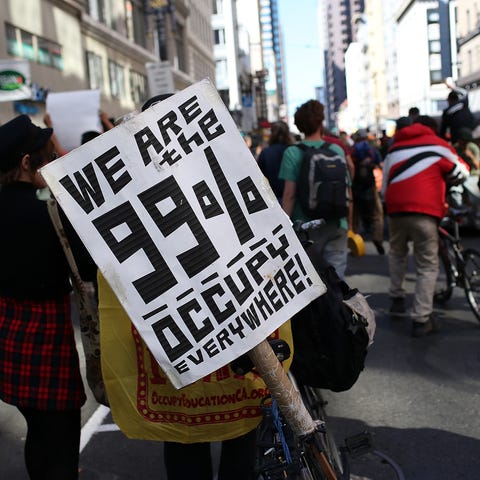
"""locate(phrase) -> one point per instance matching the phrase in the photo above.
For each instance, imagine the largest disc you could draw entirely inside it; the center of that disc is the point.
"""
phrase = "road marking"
(92, 426)
(108, 427)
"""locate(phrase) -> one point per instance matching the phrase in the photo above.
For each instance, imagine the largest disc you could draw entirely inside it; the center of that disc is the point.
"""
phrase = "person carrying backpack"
(317, 185)
(368, 209)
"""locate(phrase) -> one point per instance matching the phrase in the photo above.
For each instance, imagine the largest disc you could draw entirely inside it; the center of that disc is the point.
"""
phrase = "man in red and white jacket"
(416, 172)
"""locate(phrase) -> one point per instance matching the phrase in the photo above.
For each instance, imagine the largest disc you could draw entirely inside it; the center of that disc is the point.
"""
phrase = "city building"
(96, 44)
(340, 33)
(424, 60)
(468, 38)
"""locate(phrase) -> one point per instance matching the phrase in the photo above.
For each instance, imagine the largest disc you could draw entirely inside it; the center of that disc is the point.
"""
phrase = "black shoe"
(421, 329)
(398, 306)
(379, 247)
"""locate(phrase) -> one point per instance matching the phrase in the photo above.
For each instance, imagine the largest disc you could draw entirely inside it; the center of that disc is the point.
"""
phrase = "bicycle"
(459, 267)
(284, 451)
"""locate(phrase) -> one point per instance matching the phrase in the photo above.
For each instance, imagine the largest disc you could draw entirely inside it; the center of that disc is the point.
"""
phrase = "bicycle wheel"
(445, 279)
(472, 279)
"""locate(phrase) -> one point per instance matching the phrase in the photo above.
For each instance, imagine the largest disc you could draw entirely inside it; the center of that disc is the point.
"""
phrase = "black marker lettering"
(109, 171)
(197, 333)
(89, 188)
(144, 139)
(153, 284)
(182, 346)
(196, 258)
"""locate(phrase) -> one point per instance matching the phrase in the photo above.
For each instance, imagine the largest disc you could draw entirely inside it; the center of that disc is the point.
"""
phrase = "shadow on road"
(421, 453)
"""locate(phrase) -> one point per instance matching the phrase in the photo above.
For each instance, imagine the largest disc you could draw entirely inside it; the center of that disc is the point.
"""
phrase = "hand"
(47, 120)
(450, 83)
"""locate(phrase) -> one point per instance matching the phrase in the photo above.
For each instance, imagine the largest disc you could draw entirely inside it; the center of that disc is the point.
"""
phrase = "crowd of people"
(403, 179)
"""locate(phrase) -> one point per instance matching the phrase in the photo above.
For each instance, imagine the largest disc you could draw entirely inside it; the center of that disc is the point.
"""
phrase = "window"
(434, 46)
(28, 50)
(95, 71)
(219, 36)
(13, 46)
(138, 90)
(117, 80)
(136, 29)
(21, 43)
(217, 6)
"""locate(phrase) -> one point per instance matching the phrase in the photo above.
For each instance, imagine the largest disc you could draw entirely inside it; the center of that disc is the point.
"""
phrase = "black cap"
(155, 99)
(20, 136)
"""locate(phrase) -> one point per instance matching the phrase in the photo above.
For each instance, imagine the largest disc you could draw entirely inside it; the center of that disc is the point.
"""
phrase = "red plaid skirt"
(39, 365)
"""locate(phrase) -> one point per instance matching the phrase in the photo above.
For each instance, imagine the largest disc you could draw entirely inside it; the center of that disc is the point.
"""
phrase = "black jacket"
(32, 262)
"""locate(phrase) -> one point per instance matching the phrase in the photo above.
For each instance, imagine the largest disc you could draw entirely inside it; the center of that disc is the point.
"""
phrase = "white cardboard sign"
(179, 219)
(74, 113)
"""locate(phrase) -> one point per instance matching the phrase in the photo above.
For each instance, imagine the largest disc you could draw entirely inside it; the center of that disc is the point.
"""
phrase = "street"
(419, 397)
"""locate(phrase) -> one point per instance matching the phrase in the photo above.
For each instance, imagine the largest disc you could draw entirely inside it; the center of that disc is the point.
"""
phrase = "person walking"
(457, 115)
(331, 239)
(39, 364)
(367, 204)
(270, 157)
(417, 170)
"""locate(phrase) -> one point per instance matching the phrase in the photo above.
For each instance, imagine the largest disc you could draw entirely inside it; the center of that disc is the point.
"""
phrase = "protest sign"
(72, 114)
(186, 230)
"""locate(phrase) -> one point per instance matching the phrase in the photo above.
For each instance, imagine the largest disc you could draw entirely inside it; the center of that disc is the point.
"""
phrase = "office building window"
(434, 46)
(95, 71)
(21, 43)
(219, 36)
(138, 87)
(117, 80)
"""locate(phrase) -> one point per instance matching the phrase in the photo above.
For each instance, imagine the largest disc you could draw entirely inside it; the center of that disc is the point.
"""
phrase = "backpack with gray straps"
(322, 183)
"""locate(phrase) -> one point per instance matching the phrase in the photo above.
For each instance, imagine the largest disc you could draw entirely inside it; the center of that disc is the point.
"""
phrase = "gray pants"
(422, 231)
(331, 243)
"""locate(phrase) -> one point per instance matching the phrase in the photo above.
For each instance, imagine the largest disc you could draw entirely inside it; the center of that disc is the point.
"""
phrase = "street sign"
(160, 78)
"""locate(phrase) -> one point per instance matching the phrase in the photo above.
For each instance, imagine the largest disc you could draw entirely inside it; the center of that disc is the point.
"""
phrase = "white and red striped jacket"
(421, 187)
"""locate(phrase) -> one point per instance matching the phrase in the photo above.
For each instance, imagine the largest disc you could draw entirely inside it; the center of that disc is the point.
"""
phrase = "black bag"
(322, 183)
(331, 338)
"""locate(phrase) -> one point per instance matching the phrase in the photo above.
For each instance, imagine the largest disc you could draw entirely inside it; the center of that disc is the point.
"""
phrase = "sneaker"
(379, 247)
(398, 306)
(421, 329)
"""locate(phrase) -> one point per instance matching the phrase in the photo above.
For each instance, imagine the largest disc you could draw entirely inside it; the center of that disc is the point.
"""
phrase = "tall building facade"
(105, 45)
(421, 75)
(468, 37)
(341, 31)
(273, 76)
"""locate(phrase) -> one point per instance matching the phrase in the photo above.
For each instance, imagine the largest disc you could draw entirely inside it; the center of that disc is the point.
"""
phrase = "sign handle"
(281, 388)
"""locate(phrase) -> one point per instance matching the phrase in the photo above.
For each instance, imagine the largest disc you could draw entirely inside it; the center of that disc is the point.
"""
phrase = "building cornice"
(114, 40)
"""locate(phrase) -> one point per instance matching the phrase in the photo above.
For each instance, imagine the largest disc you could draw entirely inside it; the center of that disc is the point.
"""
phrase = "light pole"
(160, 9)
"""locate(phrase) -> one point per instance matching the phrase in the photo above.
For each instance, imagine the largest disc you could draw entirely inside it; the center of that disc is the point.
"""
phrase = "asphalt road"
(418, 397)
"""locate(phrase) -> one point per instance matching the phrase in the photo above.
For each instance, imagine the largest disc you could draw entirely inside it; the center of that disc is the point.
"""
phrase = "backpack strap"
(410, 162)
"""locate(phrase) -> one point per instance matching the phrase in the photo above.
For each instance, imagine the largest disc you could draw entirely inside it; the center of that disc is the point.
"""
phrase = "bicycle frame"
(451, 244)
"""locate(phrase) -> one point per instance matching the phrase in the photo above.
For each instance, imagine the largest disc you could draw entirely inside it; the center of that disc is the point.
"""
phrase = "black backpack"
(322, 183)
(331, 339)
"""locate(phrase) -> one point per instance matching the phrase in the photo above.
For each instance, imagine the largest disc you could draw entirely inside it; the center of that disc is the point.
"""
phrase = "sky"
(299, 23)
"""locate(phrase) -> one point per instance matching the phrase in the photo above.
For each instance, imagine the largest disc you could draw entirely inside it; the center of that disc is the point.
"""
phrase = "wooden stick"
(283, 391)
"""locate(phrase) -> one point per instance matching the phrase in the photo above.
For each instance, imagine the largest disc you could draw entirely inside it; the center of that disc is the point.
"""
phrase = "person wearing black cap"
(457, 114)
(39, 365)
